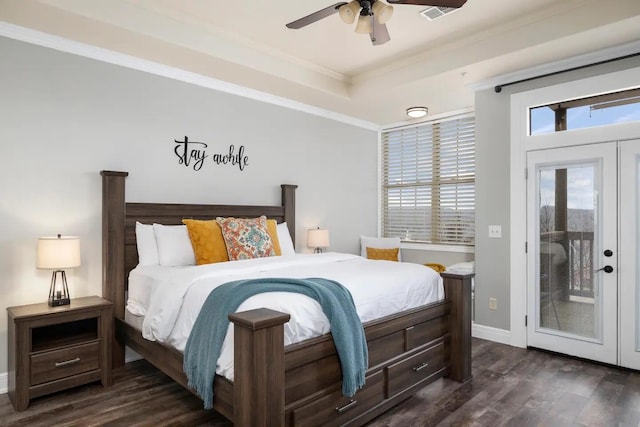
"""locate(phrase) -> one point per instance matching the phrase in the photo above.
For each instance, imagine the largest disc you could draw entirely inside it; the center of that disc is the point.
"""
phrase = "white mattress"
(170, 298)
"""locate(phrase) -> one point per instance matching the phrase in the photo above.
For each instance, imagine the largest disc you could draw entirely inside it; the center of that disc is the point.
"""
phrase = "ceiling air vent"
(435, 12)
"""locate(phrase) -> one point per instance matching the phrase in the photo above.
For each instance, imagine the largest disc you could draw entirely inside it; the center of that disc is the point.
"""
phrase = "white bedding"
(170, 298)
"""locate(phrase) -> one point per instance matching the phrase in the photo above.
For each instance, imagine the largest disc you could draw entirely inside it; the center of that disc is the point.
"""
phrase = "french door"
(583, 257)
(572, 254)
(629, 250)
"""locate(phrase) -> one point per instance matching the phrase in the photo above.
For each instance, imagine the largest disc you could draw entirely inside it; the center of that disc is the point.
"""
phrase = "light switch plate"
(495, 231)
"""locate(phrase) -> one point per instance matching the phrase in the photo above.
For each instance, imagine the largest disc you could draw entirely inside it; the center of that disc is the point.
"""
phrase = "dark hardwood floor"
(511, 386)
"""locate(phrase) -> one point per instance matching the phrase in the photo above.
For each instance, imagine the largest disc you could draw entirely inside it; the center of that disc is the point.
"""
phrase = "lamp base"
(59, 302)
(58, 297)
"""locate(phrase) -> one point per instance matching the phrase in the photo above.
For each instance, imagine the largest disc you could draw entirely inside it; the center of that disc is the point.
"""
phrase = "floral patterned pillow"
(246, 238)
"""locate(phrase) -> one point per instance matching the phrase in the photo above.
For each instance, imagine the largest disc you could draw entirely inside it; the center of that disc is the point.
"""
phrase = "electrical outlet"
(495, 231)
(493, 303)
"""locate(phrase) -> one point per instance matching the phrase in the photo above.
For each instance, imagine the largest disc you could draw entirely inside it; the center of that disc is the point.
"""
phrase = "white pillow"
(174, 245)
(146, 243)
(462, 267)
(284, 237)
(380, 243)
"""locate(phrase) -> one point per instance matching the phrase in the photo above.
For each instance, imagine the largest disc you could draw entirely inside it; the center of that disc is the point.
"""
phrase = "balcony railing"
(581, 267)
(566, 263)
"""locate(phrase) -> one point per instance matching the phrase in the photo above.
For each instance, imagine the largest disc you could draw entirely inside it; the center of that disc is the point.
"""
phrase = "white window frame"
(462, 113)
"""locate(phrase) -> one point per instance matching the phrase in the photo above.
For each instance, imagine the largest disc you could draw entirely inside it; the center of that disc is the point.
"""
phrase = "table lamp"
(57, 254)
(318, 239)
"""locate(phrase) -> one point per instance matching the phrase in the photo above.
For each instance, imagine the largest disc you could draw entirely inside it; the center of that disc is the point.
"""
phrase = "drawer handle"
(67, 362)
(420, 367)
(346, 407)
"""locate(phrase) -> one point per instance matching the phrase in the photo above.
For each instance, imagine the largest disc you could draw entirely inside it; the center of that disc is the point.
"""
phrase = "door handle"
(606, 269)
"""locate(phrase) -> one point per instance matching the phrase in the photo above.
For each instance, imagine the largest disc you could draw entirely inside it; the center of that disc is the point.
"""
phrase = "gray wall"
(492, 189)
(63, 118)
(492, 207)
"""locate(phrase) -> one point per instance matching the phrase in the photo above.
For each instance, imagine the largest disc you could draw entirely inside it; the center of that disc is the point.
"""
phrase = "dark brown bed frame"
(300, 384)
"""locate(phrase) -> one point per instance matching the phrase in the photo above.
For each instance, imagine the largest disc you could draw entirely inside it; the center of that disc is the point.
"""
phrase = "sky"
(542, 118)
(581, 186)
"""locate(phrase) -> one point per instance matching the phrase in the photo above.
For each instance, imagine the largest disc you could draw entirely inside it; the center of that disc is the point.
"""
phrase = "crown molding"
(560, 65)
(39, 38)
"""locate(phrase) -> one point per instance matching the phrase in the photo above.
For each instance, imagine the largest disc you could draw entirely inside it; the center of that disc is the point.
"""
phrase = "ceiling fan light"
(417, 112)
(382, 11)
(364, 25)
(349, 11)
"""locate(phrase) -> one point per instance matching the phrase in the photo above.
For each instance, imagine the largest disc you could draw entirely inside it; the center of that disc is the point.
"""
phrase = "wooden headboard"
(119, 251)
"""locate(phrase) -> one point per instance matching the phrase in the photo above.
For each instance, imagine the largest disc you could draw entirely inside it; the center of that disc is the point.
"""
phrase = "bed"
(297, 384)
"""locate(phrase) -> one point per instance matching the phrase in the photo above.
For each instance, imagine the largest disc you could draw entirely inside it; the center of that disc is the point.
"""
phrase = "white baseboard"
(492, 334)
(4, 383)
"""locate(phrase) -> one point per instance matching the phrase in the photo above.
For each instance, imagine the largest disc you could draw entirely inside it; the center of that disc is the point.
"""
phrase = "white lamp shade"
(364, 25)
(382, 12)
(318, 238)
(349, 11)
(58, 253)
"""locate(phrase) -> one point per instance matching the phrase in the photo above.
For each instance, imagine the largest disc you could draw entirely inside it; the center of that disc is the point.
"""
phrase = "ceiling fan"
(374, 15)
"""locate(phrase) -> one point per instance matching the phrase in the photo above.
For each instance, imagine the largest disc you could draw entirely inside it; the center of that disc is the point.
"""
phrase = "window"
(611, 108)
(428, 182)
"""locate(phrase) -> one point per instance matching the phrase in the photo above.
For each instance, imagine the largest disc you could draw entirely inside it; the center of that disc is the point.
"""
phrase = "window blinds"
(428, 182)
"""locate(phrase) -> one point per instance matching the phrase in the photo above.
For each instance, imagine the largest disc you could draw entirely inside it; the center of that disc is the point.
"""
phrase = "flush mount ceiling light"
(373, 15)
(417, 112)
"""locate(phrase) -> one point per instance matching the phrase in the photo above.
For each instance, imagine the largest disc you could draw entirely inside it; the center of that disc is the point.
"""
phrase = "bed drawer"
(56, 364)
(411, 371)
(332, 410)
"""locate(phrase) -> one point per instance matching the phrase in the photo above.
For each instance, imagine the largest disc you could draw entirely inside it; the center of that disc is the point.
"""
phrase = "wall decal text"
(192, 154)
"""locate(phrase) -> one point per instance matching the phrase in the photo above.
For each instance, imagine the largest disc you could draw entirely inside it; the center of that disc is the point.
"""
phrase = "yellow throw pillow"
(272, 228)
(207, 241)
(439, 268)
(383, 254)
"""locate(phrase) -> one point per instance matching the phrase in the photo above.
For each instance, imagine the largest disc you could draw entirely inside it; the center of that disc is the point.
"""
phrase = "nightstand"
(56, 348)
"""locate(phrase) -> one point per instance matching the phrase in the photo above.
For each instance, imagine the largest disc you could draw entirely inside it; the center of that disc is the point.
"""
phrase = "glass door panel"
(567, 214)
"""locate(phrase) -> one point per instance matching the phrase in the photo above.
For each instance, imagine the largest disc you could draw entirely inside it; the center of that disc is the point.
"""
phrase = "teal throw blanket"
(205, 341)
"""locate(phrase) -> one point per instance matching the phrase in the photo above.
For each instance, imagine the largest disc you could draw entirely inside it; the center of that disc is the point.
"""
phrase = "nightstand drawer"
(56, 364)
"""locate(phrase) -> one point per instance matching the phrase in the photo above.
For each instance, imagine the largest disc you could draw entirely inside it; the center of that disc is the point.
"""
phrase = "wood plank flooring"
(510, 387)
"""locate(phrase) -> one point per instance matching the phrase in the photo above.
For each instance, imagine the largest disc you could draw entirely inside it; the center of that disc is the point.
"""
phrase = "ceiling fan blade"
(380, 34)
(439, 3)
(315, 16)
